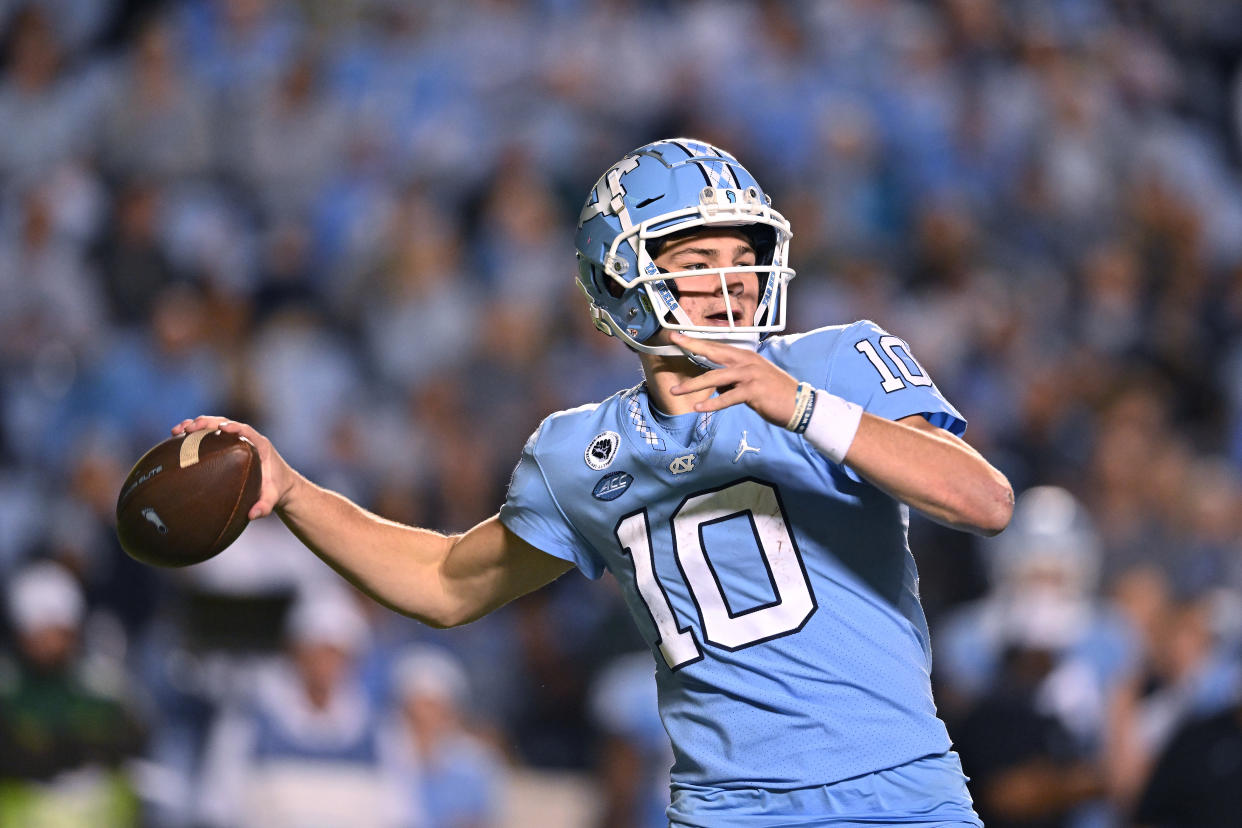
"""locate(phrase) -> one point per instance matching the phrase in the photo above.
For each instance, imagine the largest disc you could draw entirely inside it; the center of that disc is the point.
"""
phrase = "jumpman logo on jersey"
(744, 447)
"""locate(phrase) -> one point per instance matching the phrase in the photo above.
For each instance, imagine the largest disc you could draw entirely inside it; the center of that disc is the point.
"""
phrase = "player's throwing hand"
(278, 477)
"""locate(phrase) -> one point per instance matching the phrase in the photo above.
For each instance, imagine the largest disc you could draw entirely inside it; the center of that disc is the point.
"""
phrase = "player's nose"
(733, 287)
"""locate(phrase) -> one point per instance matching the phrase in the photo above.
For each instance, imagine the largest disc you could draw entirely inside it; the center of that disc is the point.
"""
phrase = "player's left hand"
(745, 377)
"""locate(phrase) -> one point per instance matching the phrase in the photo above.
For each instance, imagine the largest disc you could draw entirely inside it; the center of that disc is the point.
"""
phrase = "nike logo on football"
(150, 515)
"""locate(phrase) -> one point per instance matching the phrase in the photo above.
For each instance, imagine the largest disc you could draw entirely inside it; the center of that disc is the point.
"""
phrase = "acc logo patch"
(600, 453)
(612, 486)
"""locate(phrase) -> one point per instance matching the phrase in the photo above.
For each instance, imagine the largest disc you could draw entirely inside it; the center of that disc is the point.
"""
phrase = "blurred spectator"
(67, 722)
(1028, 671)
(157, 119)
(287, 278)
(1196, 780)
(418, 306)
(130, 255)
(635, 756)
(1187, 672)
(236, 45)
(172, 359)
(48, 106)
(1027, 769)
(1044, 571)
(519, 232)
(301, 376)
(48, 296)
(77, 534)
(285, 138)
(452, 778)
(303, 745)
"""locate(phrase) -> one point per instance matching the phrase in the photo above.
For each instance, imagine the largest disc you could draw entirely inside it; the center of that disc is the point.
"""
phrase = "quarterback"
(751, 497)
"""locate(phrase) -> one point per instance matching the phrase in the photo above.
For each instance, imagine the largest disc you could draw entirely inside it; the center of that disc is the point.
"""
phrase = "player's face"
(322, 666)
(701, 296)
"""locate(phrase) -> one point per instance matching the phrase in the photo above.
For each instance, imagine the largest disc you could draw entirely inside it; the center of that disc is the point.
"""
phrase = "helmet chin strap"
(746, 341)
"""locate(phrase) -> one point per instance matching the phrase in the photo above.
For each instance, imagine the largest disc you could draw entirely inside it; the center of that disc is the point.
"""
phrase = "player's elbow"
(438, 622)
(442, 618)
(447, 613)
(434, 605)
(993, 506)
(444, 601)
(454, 606)
(981, 504)
(437, 615)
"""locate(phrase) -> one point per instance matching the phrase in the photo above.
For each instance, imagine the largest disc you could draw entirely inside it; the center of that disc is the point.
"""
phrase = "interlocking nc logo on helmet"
(609, 194)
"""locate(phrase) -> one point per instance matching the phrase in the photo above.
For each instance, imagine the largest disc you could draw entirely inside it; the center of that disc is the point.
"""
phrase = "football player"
(751, 497)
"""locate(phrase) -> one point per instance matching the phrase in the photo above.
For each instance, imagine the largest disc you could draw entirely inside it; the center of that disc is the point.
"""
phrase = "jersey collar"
(645, 432)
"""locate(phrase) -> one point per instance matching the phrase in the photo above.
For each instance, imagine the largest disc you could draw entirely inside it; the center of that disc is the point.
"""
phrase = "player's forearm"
(441, 580)
(397, 565)
(933, 472)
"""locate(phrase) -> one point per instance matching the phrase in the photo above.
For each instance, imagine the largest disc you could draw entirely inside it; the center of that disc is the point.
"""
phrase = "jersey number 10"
(788, 612)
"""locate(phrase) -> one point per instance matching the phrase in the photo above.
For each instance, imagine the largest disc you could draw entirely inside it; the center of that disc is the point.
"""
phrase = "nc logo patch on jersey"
(683, 464)
(602, 450)
(611, 486)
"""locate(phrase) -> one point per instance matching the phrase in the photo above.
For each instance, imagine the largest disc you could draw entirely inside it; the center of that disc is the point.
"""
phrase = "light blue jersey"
(776, 588)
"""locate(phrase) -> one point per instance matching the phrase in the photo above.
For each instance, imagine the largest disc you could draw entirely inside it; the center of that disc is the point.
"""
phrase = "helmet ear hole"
(605, 283)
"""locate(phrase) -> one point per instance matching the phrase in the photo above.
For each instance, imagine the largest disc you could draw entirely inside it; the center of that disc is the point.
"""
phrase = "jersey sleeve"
(532, 512)
(878, 371)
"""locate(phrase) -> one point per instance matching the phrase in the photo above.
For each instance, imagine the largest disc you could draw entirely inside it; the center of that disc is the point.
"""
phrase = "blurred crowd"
(350, 224)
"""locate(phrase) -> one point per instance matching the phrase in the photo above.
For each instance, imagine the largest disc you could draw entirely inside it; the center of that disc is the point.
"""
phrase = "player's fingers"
(712, 379)
(733, 396)
(269, 492)
(183, 427)
(717, 352)
(241, 430)
(272, 466)
(264, 505)
(199, 423)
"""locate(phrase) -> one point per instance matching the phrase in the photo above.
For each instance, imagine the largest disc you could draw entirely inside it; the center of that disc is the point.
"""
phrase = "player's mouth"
(721, 318)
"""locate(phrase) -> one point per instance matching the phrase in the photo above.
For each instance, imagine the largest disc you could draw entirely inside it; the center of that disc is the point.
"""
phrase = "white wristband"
(834, 422)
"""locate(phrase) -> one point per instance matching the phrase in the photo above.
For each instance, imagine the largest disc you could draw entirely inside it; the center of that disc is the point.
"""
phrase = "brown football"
(187, 498)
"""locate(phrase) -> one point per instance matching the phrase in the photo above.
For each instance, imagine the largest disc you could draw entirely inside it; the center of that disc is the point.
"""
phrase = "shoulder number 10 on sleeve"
(891, 345)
